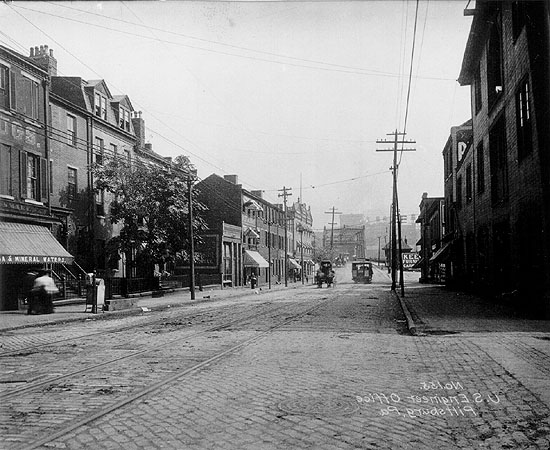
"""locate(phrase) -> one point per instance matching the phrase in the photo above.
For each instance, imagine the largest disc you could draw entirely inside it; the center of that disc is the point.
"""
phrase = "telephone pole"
(397, 139)
(285, 194)
(332, 223)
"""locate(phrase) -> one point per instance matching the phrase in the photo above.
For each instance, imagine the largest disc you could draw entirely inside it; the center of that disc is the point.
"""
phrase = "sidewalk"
(10, 320)
(520, 345)
(436, 310)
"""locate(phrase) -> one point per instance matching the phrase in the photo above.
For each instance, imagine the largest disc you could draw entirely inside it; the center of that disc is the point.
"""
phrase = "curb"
(104, 315)
(410, 322)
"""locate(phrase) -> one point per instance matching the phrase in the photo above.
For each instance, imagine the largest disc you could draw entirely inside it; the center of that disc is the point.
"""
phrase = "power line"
(349, 69)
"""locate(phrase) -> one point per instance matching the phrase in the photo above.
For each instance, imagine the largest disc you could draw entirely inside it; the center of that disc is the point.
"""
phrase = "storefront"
(24, 248)
(253, 262)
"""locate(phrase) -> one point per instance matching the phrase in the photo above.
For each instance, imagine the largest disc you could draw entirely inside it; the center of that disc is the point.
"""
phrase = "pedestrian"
(253, 280)
(44, 289)
(29, 293)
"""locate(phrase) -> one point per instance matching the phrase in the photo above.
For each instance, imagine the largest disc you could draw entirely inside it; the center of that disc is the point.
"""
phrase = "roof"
(30, 244)
(476, 39)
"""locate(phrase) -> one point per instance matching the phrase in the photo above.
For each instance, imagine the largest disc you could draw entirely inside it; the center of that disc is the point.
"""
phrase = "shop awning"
(254, 259)
(30, 244)
(442, 254)
(293, 264)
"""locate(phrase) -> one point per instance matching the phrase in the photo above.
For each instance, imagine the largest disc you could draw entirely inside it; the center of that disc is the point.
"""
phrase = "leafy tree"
(150, 201)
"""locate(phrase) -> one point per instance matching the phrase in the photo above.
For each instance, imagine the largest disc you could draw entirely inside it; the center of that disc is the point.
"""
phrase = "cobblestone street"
(302, 368)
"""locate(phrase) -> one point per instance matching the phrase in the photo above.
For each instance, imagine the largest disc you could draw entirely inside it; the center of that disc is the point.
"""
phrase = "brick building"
(506, 64)
(245, 234)
(52, 129)
(346, 243)
(459, 217)
(31, 226)
(301, 223)
(434, 253)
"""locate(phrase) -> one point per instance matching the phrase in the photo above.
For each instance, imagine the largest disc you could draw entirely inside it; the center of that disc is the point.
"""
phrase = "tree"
(150, 201)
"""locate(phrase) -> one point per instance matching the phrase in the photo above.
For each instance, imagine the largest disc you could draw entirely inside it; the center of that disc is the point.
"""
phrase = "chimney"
(43, 57)
(139, 127)
(148, 147)
(257, 193)
(231, 178)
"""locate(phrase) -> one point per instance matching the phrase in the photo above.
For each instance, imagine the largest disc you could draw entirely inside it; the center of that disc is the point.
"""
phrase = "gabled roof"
(99, 85)
(124, 100)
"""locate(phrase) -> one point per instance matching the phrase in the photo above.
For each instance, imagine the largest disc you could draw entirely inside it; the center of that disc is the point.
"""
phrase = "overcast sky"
(279, 93)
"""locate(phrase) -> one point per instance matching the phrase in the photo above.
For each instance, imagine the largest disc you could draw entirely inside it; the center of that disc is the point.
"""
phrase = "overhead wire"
(349, 69)
(410, 81)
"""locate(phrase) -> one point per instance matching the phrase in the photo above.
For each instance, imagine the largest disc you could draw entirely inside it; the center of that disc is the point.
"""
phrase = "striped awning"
(293, 264)
(254, 259)
(30, 244)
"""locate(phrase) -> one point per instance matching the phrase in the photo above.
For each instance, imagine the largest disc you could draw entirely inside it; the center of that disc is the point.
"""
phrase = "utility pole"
(396, 140)
(285, 194)
(379, 237)
(332, 223)
(190, 178)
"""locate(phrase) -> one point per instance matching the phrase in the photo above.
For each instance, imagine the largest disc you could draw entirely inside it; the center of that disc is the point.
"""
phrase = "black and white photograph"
(275, 225)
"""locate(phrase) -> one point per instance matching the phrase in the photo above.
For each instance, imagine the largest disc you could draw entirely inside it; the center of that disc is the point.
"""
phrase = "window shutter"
(23, 173)
(13, 103)
(44, 180)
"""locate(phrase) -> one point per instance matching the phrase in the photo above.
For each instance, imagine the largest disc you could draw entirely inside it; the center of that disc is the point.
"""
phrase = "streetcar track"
(178, 374)
(113, 330)
(36, 385)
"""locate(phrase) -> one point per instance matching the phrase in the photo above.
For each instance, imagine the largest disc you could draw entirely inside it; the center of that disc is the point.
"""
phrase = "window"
(71, 130)
(480, 168)
(477, 90)
(71, 184)
(127, 155)
(498, 162)
(100, 203)
(5, 170)
(468, 183)
(523, 120)
(100, 106)
(124, 119)
(495, 78)
(33, 170)
(98, 150)
(4, 87)
(518, 17)
(28, 95)
(114, 150)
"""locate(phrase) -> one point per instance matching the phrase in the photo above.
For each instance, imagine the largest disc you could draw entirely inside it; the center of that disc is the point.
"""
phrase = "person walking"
(44, 289)
(29, 292)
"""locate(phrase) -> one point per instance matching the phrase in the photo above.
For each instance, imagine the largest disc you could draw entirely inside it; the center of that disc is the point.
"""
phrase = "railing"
(126, 286)
(69, 284)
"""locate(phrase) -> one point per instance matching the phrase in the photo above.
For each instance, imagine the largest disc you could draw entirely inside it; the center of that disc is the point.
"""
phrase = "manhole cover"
(319, 406)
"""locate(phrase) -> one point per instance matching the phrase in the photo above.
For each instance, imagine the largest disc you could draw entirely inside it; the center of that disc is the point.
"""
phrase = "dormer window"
(100, 109)
(124, 119)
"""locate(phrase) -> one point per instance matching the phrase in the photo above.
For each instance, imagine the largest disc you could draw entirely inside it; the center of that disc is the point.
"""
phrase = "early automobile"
(361, 271)
(325, 274)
